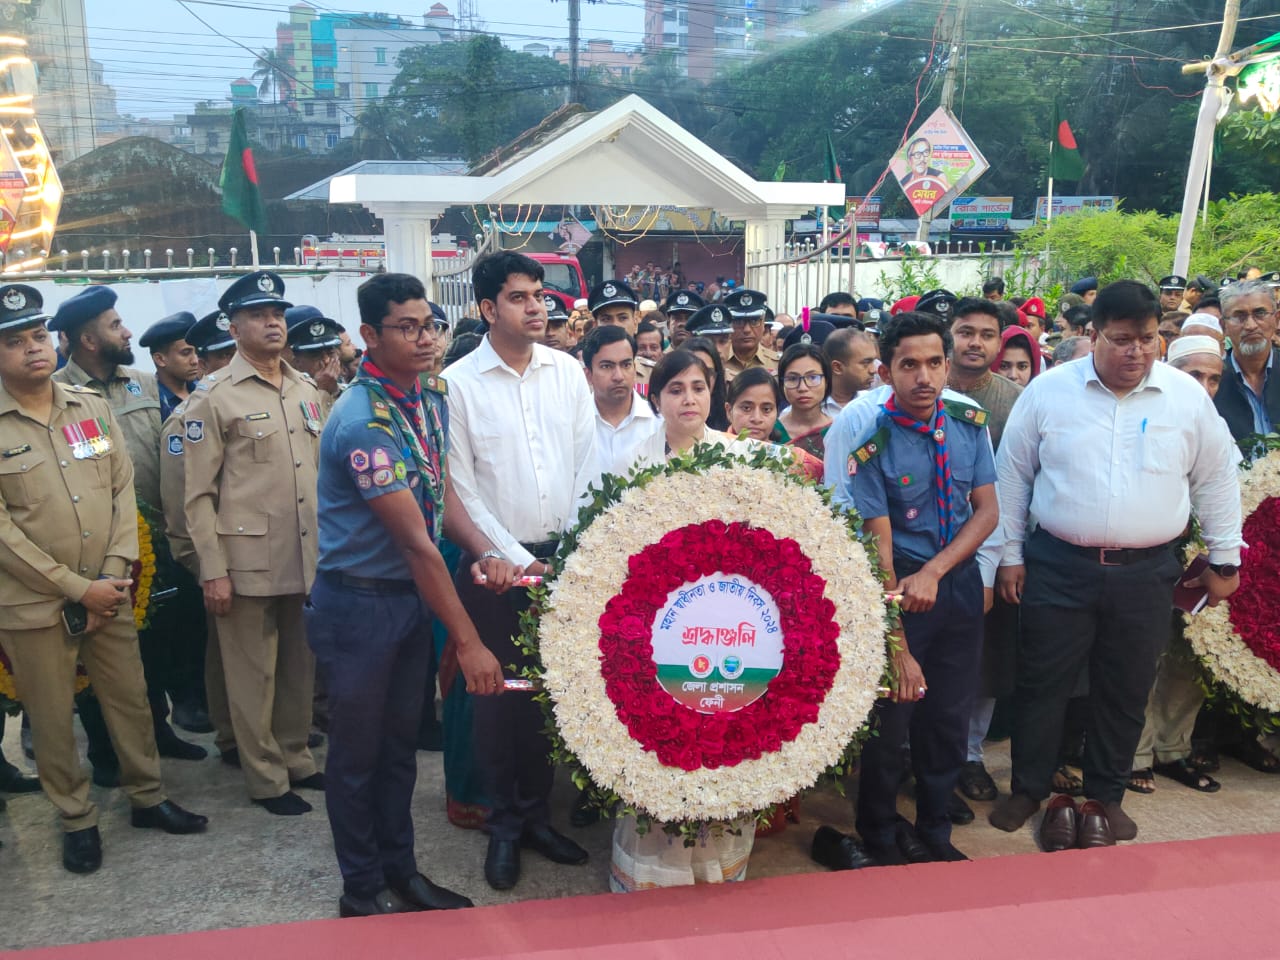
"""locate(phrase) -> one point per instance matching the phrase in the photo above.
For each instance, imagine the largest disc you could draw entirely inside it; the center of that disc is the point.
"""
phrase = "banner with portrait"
(938, 163)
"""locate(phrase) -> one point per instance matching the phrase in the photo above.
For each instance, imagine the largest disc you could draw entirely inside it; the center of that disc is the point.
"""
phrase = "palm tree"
(273, 72)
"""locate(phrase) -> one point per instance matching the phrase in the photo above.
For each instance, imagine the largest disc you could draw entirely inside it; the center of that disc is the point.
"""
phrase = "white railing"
(108, 263)
(451, 285)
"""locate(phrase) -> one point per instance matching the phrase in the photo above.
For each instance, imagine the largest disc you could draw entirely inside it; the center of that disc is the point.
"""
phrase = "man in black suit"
(1249, 400)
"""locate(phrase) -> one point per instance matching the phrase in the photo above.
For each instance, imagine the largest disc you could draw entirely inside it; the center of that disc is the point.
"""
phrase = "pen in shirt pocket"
(1144, 424)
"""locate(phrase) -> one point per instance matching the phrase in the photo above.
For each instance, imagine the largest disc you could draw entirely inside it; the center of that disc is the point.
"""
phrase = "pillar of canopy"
(629, 155)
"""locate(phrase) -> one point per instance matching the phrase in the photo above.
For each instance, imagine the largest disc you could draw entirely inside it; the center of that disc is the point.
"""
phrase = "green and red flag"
(241, 197)
(1065, 162)
(833, 175)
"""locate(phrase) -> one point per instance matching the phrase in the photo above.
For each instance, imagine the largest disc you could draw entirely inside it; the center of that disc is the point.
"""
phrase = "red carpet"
(1195, 899)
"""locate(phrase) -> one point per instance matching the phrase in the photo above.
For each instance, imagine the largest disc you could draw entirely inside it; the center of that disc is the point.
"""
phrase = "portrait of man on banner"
(937, 164)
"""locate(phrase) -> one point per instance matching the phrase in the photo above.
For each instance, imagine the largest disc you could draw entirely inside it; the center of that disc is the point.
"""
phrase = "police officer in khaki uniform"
(314, 341)
(679, 307)
(613, 303)
(214, 347)
(251, 443)
(68, 538)
(98, 355)
(746, 315)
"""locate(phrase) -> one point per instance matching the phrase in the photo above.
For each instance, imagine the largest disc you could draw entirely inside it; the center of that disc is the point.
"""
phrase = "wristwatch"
(488, 554)
(1227, 570)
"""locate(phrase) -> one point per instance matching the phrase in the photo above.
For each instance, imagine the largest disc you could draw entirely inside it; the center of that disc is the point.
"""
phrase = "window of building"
(323, 51)
(324, 73)
(330, 140)
(211, 139)
(330, 109)
(381, 54)
(669, 13)
(286, 51)
(309, 108)
(669, 39)
(344, 91)
(371, 91)
(300, 141)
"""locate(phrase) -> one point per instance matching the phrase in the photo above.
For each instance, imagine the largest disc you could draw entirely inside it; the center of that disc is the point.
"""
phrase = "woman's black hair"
(718, 420)
(798, 351)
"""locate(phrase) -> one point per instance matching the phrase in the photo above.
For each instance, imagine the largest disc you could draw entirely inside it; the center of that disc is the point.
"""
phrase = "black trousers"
(1078, 614)
(173, 645)
(512, 753)
(947, 643)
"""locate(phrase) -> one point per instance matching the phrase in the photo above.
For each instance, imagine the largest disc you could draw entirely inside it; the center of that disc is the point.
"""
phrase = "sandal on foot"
(1253, 754)
(1206, 761)
(1141, 781)
(1064, 781)
(1187, 775)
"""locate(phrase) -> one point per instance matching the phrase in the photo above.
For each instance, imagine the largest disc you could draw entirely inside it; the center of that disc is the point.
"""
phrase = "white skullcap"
(648, 306)
(1203, 320)
(1195, 343)
(580, 303)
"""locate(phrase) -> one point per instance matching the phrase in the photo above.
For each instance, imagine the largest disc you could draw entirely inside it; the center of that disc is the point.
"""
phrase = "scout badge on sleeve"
(88, 439)
(311, 414)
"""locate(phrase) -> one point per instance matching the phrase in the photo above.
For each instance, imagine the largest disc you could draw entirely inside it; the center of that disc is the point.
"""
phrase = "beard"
(121, 356)
(1254, 347)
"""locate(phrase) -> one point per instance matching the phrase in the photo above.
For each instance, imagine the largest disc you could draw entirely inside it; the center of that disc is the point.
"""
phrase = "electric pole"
(575, 16)
(955, 38)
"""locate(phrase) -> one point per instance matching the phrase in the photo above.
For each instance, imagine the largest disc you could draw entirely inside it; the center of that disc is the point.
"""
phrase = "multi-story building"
(58, 46)
(708, 35)
(602, 53)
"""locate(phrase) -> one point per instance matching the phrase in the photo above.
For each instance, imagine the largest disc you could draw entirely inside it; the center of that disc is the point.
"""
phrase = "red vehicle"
(564, 277)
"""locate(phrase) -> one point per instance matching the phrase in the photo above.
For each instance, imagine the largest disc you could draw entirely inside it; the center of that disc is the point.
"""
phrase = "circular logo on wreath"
(717, 643)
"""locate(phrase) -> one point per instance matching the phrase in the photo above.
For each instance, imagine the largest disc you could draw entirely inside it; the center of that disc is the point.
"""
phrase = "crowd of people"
(340, 535)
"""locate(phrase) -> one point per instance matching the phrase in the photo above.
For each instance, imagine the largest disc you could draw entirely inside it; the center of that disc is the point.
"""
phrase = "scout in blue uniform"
(383, 502)
(919, 470)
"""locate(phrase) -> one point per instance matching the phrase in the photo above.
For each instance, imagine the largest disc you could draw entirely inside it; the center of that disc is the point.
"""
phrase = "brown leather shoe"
(1122, 824)
(1012, 812)
(1060, 825)
(1095, 828)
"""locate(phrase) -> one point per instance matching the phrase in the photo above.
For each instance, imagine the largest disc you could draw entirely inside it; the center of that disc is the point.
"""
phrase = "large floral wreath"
(708, 522)
(1239, 641)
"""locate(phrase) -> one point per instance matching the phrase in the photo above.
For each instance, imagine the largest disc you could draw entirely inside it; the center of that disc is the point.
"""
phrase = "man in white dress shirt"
(624, 419)
(522, 452)
(1109, 454)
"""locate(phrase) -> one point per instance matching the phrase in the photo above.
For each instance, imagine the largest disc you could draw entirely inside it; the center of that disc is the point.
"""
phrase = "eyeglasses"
(917, 154)
(794, 380)
(1258, 315)
(412, 332)
(1148, 343)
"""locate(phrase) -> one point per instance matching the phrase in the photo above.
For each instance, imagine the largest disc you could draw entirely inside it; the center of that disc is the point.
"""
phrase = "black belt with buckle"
(338, 578)
(543, 549)
(1115, 556)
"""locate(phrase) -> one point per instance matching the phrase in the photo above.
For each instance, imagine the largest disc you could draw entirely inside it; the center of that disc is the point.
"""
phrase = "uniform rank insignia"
(437, 385)
(195, 430)
(88, 439)
(872, 447)
(258, 416)
(134, 387)
(381, 411)
(380, 425)
(311, 414)
(963, 411)
(14, 451)
(175, 444)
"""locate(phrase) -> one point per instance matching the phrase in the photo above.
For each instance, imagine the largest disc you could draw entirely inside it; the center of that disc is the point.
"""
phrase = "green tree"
(273, 73)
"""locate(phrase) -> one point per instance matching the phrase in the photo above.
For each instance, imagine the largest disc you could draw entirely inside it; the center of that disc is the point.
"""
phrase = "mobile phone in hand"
(75, 618)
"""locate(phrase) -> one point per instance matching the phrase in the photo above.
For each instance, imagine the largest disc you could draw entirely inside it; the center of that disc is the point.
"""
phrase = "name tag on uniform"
(88, 439)
(258, 416)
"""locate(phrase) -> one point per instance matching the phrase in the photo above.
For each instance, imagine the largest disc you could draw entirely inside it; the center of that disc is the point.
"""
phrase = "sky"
(161, 58)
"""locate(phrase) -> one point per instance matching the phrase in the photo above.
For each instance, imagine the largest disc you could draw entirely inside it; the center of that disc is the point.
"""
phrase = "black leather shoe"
(502, 864)
(958, 812)
(169, 817)
(887, 855)
(419, 893)
(12, 780)
(230, 756)
(556, 847)
(175, 748)
(313, 782)
(584, 812)
(380, 904)
(909, 844)
(834, 850)
(288, 804)
(82, 850)
(104, 776)
(192, 717)
(945, 853)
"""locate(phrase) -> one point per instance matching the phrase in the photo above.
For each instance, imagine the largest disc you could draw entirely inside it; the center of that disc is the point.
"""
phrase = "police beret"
(20, 306)
(746, 304)
(872, 319)
(556, 312)
(938, 303)
(1173, 282)
(903, 305)
(83, 307)
(314, 333)
(708, 320)
(817, 333)
(682, 301)
(211, 333)
(164, 332)
(438, 314)
(252, 290)
(870, 303)
(305, 313)
(1033, 307)
(1203, 284)
(609, 292)
(1084, 285)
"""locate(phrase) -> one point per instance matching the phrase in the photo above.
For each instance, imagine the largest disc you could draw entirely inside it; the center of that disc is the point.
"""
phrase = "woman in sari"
(805, 375)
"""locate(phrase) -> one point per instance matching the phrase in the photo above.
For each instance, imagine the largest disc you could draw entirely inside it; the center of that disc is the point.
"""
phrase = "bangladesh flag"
(833, 175)
(1065, 162)
(241, 197)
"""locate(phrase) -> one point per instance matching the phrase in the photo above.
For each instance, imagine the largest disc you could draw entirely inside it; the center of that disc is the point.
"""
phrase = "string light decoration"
(30, 190)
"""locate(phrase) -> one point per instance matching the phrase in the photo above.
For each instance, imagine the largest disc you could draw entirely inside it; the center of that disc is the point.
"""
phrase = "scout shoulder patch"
(873, 447)
(380, 410)
(14, 451)
(437, 385)
(966, 412)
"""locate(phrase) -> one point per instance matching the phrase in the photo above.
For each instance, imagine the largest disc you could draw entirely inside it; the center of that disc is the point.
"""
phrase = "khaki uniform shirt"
(763, 357)
(63, 521)
(135, 400)
(251, 467)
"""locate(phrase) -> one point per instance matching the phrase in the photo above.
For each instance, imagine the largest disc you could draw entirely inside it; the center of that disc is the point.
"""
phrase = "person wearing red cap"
(903, 305)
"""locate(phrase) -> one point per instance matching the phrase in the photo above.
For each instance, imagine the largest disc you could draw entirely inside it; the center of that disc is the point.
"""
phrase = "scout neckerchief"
(407, 411)
(941, 459)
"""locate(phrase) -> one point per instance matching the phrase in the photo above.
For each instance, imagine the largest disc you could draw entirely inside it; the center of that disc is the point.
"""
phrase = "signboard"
(866, 212)
(981, 214)
(717, 642)
(1063, 205)
(938, 163)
